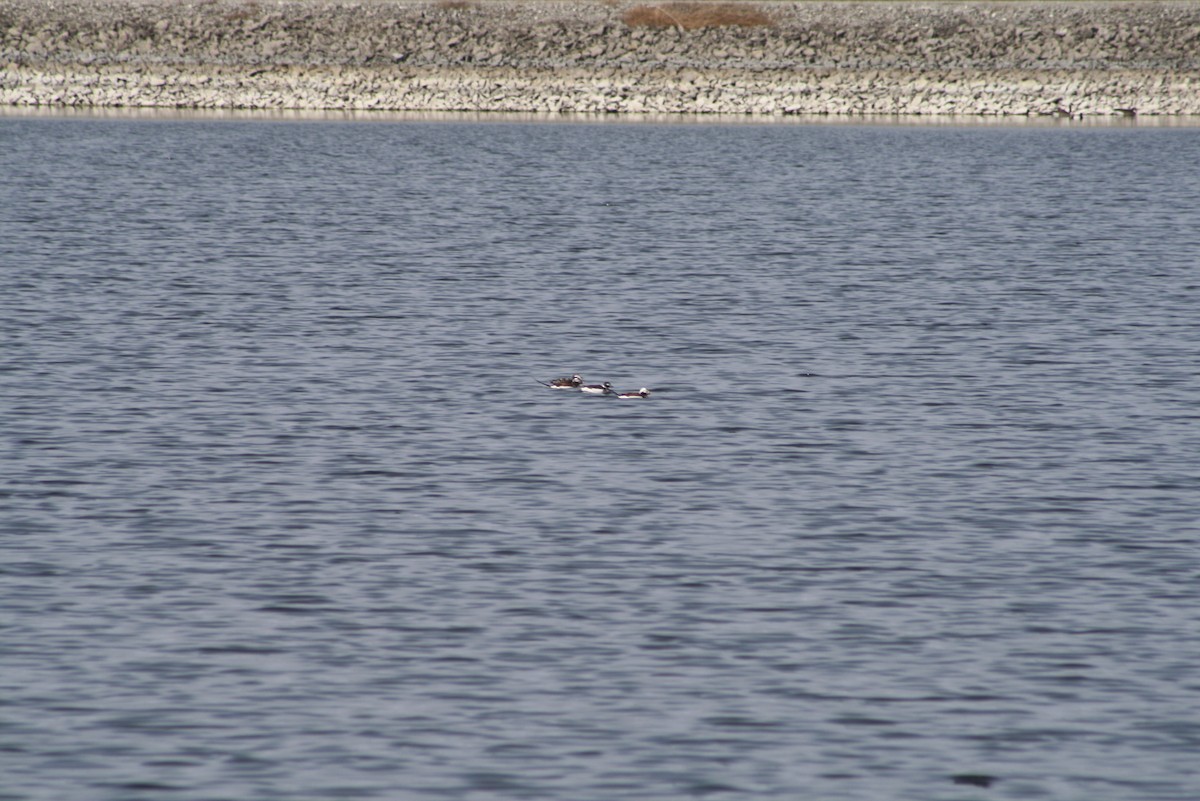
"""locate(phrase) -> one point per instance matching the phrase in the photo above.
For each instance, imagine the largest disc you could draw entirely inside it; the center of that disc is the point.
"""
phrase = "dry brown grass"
(688, 16)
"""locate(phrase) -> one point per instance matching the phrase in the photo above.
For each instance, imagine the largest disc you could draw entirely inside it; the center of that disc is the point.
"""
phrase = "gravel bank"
(1008, 58)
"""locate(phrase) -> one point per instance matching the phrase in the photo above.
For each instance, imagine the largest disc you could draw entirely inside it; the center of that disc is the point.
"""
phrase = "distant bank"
(993, 58)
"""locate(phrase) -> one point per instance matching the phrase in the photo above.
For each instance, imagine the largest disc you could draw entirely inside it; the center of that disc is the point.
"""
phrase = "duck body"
(574, 382)
(598, 389)
(641, 393)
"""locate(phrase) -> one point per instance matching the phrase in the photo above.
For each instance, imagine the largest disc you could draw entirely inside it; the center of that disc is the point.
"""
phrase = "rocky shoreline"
(997, 58)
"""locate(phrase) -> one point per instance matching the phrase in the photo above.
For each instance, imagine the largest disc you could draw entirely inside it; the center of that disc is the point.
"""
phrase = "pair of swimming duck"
(576, 382)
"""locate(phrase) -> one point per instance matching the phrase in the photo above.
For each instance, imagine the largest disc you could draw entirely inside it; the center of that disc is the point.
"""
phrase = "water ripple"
(910, 513)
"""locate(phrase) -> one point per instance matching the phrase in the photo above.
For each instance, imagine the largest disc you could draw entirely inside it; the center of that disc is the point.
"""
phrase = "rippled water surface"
(912, 512)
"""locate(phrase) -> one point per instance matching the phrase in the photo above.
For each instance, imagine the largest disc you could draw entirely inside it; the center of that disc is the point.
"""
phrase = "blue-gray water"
(914, 505)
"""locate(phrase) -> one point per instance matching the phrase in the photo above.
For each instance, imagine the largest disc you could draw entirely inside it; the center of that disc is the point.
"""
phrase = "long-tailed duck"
(598, 389)
(641, 393)
(574, 382)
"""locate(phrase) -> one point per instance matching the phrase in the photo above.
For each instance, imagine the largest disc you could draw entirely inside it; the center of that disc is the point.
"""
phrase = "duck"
(574, 382)
(641, 393)
(598, 389)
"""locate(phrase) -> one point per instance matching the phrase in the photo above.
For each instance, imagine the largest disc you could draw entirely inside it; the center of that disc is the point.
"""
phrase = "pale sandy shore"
(1069, 60)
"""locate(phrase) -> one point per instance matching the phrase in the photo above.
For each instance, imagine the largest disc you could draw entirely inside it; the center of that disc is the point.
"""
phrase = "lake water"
(913, 510)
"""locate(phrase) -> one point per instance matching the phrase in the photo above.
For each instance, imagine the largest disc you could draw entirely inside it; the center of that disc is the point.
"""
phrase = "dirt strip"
(997, 58)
